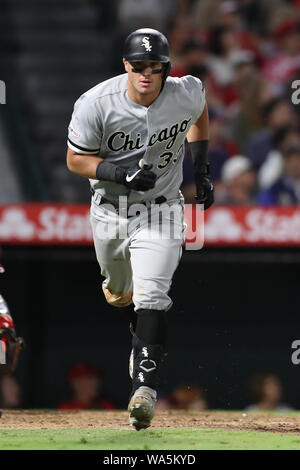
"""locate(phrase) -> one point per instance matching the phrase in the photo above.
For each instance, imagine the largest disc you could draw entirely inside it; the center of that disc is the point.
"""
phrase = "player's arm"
(200, 130)
(94, 167)
(83, 165)
(198, 139)
(84, 145)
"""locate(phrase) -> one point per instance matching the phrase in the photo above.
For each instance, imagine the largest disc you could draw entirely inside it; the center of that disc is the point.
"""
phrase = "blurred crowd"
(263, 391)
(85, 383)
(247, 53)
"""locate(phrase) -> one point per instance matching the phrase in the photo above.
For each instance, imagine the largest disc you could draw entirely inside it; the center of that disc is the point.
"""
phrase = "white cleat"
(141, 408)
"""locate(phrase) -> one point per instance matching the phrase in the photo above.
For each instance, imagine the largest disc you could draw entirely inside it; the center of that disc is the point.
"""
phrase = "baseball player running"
(127, 136)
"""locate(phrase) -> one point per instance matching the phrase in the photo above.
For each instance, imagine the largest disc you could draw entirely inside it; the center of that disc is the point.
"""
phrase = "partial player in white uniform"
(127, 136)
(10, 344)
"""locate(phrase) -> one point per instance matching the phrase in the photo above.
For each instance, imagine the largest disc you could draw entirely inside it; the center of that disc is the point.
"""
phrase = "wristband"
(199, 152)
(110, 172)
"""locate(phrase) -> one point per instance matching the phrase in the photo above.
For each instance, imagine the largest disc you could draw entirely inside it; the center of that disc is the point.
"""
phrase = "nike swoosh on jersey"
(130, 178)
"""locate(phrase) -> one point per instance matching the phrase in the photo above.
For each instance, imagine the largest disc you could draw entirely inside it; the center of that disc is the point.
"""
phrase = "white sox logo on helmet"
(146, 44)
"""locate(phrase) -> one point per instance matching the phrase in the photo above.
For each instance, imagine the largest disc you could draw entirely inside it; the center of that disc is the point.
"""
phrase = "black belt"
(158, 200)
(103, 200)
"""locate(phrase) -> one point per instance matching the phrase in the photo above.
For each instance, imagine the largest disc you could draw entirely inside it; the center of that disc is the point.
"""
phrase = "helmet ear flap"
(167, 70)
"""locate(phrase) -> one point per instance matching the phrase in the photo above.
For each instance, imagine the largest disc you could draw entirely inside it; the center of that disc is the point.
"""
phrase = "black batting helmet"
(147, 44)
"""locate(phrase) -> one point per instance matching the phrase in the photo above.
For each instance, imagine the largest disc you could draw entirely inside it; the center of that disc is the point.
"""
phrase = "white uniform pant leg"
(114, 259)
(154, 259)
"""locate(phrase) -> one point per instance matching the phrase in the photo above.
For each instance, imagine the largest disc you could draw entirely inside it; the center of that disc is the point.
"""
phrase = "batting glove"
(140, 179)
(204, 187)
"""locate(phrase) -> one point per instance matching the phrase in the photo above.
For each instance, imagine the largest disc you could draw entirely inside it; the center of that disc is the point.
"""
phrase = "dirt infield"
(36, 419)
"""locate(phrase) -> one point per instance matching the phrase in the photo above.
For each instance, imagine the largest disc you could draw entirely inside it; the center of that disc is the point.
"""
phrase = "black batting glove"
(204, 187)
(139, 179)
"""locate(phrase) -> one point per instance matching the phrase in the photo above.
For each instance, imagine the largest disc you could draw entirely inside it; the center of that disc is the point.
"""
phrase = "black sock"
(151, 326)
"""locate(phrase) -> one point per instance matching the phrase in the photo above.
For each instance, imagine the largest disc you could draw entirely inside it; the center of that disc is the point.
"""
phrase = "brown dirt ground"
(36, 419)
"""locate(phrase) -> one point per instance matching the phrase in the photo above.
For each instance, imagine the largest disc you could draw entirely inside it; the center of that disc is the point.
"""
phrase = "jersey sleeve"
(196, 91)
(85, 129)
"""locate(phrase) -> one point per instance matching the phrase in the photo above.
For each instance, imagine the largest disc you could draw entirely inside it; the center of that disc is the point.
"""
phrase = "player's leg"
(155, 250)
(114, 259)
(154, 259)
(148, 350)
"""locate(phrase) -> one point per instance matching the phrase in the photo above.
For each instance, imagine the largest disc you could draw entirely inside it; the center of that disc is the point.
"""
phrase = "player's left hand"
(204, 189)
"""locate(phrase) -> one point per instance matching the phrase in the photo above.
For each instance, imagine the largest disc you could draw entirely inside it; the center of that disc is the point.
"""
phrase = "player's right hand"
(140, 179)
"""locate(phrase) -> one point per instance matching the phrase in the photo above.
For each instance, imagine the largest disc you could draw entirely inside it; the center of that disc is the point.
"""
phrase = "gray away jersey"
(108, 124)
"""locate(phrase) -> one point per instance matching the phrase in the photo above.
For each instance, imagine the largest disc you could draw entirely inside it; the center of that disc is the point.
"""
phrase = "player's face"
(145, 78)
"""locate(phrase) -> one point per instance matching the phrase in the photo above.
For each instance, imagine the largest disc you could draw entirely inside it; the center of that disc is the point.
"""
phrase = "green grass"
(169, 439)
